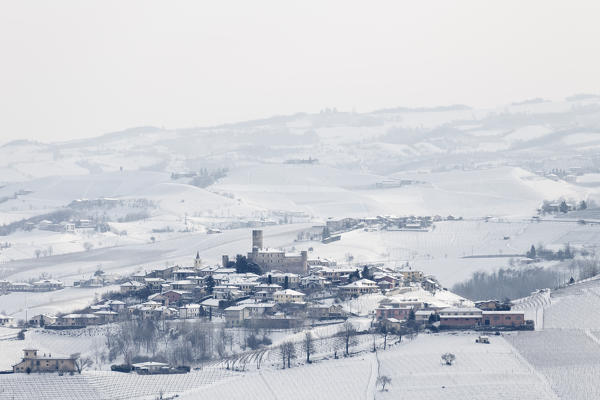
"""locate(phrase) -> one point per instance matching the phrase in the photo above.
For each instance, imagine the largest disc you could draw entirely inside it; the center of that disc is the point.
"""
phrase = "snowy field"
(568, 358)
(494, 371)
(566, 350)
(480, 372)
(17, 304)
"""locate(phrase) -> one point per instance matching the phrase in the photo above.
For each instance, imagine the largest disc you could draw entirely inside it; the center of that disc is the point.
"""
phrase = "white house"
(288, 296)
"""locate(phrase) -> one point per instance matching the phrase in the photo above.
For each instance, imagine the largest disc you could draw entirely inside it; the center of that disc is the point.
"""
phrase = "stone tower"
(257, 239)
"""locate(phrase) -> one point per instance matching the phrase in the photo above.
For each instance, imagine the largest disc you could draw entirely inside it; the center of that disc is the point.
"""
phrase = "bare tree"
(38, 253)
(81, 363)
(384, 331)
(383, 381)
(287, 350)
(88, 246)
(308, 345)
(448, 358)
(347, 334)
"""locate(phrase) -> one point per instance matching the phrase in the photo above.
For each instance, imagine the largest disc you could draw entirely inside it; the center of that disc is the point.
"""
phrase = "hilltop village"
(271, 289)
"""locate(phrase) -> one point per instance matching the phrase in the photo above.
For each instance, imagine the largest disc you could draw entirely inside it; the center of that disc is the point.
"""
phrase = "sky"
(71, 69)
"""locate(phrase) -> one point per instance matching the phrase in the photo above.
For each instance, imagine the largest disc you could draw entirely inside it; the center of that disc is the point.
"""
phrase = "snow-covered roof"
(289, 292)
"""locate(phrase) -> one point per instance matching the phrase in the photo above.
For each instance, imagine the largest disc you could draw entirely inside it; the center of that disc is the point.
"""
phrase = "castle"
(270, 259)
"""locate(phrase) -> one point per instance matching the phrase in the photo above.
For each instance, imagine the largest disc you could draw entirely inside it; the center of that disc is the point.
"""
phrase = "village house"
(4, 285)
(5, 320)
(211, 305)
(115, 305)
(323, 311)
(228, 292)
(47, 285)
(154, 284)
(162, 273)
(392, 311)
(280, 278)
(410, 275)
(314, 282)
(492, 305)
(131, 286)
(42, 320)
(20, 287)
(336, 274)
(422, 316)
(392, 324)
(361, 286)
(138, 277)
(235, 315)
(150, 367)
(288, 296)
(183, 274)
(504, 319)
(183, 285)
(465, 317)
(106, 316)
(78, 320)
(32, 362)
(189, 311)
(174, 296)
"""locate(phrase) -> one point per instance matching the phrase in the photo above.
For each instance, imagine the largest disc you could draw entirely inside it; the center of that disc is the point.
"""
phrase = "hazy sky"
(71, 69)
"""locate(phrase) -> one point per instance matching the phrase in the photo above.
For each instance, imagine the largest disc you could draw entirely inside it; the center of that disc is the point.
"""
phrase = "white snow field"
(18, 304)
(105, 385)
(480, 372)
(567, 348)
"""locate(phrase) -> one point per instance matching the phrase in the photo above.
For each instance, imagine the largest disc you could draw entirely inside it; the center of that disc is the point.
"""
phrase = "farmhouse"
(79, 319)
(42, 320)
(32, 362)
(466, 317)
(503, 318)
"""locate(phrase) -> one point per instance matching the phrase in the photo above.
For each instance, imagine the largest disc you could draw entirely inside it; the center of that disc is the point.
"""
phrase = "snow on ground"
(365, 305)
(18, 304)
(567, 348)
(147, 256)
(440, 251)
(481, 371)
(336, 379)
(64, 343)
(98, 385)
(568, 358)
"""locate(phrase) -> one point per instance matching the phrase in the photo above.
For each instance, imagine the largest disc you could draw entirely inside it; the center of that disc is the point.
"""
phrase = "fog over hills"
(149, 184)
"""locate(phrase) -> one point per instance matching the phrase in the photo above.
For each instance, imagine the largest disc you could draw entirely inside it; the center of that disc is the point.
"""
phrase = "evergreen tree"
(563, 207)
(531, 252)
(582, 205)
(286, 282)
(365, 273)
(210, 284)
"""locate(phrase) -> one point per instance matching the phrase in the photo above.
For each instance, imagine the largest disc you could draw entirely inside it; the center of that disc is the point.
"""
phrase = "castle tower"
(257, 239)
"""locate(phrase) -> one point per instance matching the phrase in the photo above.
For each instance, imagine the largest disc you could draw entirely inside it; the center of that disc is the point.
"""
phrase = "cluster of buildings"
(386, 222)
(43, 285)
(286, 293)
(487, 315)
